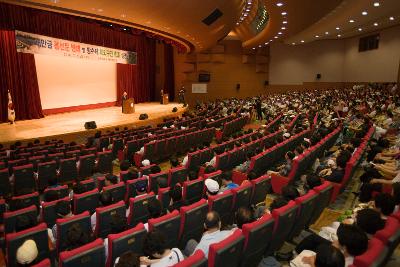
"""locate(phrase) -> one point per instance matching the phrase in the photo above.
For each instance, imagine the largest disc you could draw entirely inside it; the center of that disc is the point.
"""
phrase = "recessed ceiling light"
(359, 29)
(254, 48)
(391, 18)
(376, 24)
(276, 37)
(377, 4)
(326, 33)
(284, 28)
(293, 43)
(364, 13)
(259, 46)
(265, 43)
(338, 35)
(284, 13)
(337, 28)
(316, 36)
(279, 4)
(279, 32)
(237, 23)
(351, 21)
(302, 41)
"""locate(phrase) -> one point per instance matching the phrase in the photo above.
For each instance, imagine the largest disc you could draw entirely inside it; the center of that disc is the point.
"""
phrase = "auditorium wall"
(69, 82)
(226, 70)
(337, 61)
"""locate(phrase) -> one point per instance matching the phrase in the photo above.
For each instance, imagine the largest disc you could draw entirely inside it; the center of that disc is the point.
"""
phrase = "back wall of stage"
(68, 82)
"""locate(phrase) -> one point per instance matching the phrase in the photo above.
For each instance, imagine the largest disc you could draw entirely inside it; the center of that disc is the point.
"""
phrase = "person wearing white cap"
(27, 252)
(212, 187)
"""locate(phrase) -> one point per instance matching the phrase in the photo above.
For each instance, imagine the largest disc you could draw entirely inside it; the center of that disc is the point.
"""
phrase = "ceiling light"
(276, 37)
(377, 4)
(326, 33)
(359, 29)
(337, 28)
(391, 18)
(279, 4)
(110, 25)
(124, 29)
(237, 23)
(259, 46)
(338, 35)
(265, 43)
(302, 41)
(351, 21)
(284, 13)
(293, 43)
(283, 28)
(376, 24)
(364, 13)
(279, 32)
(316, 36)
(284, 22)
(254, 48)
(248, 10)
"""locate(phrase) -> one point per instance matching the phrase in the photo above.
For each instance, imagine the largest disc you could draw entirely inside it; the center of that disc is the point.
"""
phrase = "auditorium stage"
(70, 126)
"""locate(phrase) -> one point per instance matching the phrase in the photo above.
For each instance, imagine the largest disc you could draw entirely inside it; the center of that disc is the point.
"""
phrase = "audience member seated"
(244, 215)
(212, 235)
(245, 165)
(158, 254)
(105, 199)
(155, 209)
(289, 192)
(325, 255)
(63, 210)
(336, 174)
(118, 225)
(284, 169)
(76, 237)
(127, 259)
(212, 187)
(176, 198)
(27, 253)
(227, 183)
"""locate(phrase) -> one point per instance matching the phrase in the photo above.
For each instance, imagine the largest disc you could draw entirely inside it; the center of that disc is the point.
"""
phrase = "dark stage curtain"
(146, 68)
(126, 81)
(169, 80)
(18, 74)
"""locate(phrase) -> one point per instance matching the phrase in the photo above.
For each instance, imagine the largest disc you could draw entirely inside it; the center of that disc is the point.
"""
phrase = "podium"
(128, 106)
(165, 99)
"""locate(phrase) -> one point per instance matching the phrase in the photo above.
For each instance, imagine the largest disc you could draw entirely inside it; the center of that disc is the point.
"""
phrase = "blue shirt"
(231, 185)
(209, 239)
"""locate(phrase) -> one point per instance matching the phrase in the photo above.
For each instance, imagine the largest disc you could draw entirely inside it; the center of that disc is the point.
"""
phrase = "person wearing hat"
(27, 253)
(212, 187)
(141, 190)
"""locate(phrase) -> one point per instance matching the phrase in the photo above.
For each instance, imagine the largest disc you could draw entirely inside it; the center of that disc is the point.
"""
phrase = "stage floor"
(71, 125)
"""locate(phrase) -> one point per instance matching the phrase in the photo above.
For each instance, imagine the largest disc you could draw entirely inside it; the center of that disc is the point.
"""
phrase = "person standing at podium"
(161, 96)
(124, 97)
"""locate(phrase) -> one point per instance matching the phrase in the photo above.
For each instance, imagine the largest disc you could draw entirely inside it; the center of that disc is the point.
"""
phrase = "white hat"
(286, 135)
(212, 185)
(146, 162)
(27, 252)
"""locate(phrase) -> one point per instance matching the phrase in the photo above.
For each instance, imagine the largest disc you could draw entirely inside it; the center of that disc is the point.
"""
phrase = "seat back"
(62, 191)
(325, 191)
(49, 213)
(129, 240)
(86, 165)
(146, 170)
(117, 191)
(214, 175)
(23, 179)
(374, 256)
(285, 218)
(261, 187)
(197, 259)
(11, 216)
(192, 217)
(104, 164)
(306, 205)
(258, 236)
(46, 171)
(103, 218)
(153, 185)
(177, 175)
(138, 211)
(227, 252)
(88, 185)
(43, 263)
(64, 224)
(222, 203)
(131, 188)
(193, 190)
(25, 201)
(68, 170)
(91, 254)
(242, 196)
(168, 224)
(87, 201)
(5, 186)
(163, 196)
(15, 240)
(222, 161)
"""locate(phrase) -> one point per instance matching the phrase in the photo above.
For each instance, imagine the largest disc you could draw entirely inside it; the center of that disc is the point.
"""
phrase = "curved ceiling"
(180, 20)
(289, 21)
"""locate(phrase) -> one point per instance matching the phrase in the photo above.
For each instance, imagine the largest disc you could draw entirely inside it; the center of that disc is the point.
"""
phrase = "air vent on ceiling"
(216, 14)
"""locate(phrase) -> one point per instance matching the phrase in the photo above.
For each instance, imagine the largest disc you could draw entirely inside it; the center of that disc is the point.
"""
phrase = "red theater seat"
(193, 190)
(242, 196)
(261, 187)
(63, 225)
(43, 263)
(228, 252)
(91, 254)
(117, 191)
(222, 203)
(177, 175)
(49, 213)
(138, 212)
(129, 240)
(374, 256)
(192, 218)
(87, 201)
(11, 216)
(103, 218)
(168, 224)
(196, 260)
